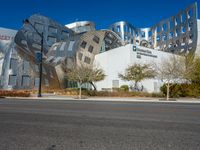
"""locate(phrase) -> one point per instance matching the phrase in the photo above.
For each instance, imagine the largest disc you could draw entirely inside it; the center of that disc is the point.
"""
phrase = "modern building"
(79, 43)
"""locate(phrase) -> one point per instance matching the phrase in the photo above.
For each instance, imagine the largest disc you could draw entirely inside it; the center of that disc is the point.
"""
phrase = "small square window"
(139, 56)
(96, 39)
(87, 60)
(90, 49)
(83, 44)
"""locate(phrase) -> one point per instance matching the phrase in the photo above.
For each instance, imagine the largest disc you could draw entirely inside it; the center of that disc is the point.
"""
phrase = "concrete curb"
(112, 99)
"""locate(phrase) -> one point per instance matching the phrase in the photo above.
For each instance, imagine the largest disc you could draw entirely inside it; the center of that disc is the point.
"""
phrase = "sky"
(140, 13)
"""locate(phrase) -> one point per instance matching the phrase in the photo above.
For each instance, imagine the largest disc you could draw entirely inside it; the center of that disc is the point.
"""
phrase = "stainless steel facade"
(79, 42)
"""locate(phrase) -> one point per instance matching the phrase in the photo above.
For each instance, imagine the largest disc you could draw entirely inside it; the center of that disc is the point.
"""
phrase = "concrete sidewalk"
(123, 99)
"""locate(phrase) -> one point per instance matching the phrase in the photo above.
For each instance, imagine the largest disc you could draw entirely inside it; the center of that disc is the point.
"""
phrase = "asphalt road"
(92, 125)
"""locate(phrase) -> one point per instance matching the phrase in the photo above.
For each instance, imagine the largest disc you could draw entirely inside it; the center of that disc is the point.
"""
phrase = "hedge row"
(14, 93)
(182, 90)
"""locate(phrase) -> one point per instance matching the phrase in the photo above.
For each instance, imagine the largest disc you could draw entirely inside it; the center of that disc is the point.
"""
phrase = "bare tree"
(85, 74)
(137, 73)
(171, 70)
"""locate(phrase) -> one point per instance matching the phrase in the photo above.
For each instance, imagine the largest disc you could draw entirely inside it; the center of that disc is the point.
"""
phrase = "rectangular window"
(138, 56)
(115, 83)
(90, 49)
(39, 27)
(118, 28)
(71, 45)
(36, 82)
(83, 44)
(36, 68)
(51, 39)
(143, 34)
(125, 28)
(65, 33)
(25, 80)
(96, 39)
(52, 30)
(37, 46)
(44, 71)
(46, 82)
(13, 63)
(12, 80)
(62, 47)
(26, 66)
(87, 60)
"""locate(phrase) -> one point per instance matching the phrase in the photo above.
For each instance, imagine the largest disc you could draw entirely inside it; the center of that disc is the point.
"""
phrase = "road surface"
(95, 125)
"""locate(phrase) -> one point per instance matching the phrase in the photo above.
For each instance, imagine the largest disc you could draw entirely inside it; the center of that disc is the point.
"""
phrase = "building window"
(143, 34)
(115, 83)
(164, 27)
(87, 60)
(12, 80)
(13, 63)
(36, 82)
(37, 46)
(36, 68)
(80, 55)
(62, 47)
(65, 33)
(46, 82)
(26, 66)
(51, 39)
(96, 39)
(139, 56)
(158, 29)
(44, 71)
(25, 80)
(118, 28)
(39, 27)
(190, 13)
(83, 44)
(52, 30)
(71, 45)
(90, 49)
(125, 28)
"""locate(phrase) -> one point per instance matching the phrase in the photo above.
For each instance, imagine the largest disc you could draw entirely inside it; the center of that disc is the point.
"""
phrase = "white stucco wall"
(117, 60)
(198, 39)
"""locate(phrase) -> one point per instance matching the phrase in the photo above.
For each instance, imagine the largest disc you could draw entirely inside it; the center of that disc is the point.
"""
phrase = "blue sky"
(142, 13)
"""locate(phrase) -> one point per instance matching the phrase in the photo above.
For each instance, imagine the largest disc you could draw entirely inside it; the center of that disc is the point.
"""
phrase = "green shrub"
(157, 94)
(182, 90)
(124, 88)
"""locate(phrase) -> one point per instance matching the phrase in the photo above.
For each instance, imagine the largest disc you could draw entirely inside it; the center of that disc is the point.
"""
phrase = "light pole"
(26, 22)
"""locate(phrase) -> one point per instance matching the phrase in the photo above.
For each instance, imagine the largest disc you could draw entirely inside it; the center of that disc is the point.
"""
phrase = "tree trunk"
(93, 86)
(168, 85)
(135, 86)
(80, 85)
